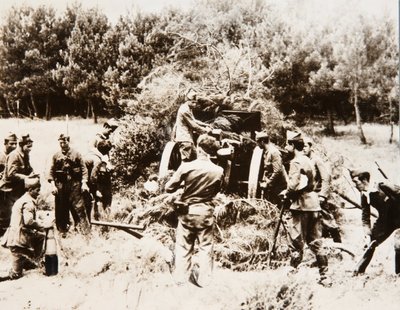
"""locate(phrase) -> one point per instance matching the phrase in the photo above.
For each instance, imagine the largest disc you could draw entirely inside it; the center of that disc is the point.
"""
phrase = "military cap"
(112, 123)
(191, 94)
(63, 137)
(293, 136)
(358, 172)
(25, 139)
(11, 137)
(308, 141)
(261, 135)
(32, 182)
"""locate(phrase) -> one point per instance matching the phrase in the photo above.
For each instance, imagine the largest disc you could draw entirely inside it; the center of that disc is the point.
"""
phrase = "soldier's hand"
(98, 194)
(54, 190)
(84, 187)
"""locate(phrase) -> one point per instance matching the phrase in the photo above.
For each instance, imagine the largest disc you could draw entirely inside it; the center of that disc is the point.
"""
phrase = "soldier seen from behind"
(26, 233)
(385, 198)
(305, 208)
(68, 177)
(17, 171)
(274, 178)
(100, 181)
(322, 183)
(10, 144)
(202, 180)
(94, 157)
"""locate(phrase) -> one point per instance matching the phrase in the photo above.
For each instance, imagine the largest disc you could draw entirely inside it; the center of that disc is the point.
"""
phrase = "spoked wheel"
(170, 159)
(255, 173)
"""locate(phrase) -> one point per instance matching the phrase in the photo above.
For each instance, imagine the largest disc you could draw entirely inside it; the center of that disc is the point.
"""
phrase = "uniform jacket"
(388, 211)
(202, 181)
(17, 168)
(274, 169)
(68, 166)
(186, 124)
(306, 199)
(322, 176)
(23, 224)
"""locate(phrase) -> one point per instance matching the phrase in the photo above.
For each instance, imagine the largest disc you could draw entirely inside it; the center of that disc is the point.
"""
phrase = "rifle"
(366, 258)
(381, 171)
(351, 201)
(130, 229)
(284, 204)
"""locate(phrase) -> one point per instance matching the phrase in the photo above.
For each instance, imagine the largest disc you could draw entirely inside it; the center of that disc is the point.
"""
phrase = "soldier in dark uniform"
(274, 178)
(17, 170)
(68, 177)
(305, 208)
(99, 167)
(385, 198)
(10, 144)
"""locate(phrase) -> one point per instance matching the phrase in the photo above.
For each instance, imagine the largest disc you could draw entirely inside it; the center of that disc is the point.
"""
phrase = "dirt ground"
(116, 271)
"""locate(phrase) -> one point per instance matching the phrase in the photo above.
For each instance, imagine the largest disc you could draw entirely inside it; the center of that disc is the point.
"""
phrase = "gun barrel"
(117, 225)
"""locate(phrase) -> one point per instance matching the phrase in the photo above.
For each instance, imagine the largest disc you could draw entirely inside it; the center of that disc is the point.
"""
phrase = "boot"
(397, 261)
(324, 279)
(335, 233)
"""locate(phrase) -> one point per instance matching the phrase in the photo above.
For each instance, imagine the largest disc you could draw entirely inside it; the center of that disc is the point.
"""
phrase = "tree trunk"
(48, 108)
(88, 109)
(34, 105)
(330, 129)
(8, 107)
(358, 116)
(94, 112)
(391, 121)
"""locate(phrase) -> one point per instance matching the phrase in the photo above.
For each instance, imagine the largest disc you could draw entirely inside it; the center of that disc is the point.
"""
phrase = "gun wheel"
(255, 173)
(170, 159)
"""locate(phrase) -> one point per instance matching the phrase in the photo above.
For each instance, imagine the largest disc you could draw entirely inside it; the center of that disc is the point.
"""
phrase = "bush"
(139, 142)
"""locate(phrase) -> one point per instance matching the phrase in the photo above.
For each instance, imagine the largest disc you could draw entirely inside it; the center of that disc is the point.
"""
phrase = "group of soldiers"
(304, 187)
(80, 184)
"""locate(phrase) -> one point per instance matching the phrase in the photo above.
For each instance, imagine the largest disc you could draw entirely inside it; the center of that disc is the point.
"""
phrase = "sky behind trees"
(317, 10)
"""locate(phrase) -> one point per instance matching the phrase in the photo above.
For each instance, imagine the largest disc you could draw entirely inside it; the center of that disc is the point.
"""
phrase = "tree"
(85, 60)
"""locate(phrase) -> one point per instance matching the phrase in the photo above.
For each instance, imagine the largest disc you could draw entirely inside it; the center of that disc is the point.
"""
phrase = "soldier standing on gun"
(202, 181)
(10, 144)
(274, 178)
(68, 177)
(17, 170)
(305, 208)
(322, 187)
(186, 125)
(385, 198)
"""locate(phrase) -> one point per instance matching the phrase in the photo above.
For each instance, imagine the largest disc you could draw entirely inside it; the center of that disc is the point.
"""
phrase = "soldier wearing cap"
(25, 235)
(322, 187)
(186, 126)
(17, 171)
(305, 208)
(108, 128)
(99, 172)
(202, 180)
(10, 144)
(274, 177)
(68, 177)
(385, 198)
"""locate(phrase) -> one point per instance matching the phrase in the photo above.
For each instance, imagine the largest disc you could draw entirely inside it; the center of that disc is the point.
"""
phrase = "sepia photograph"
(199, 154)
